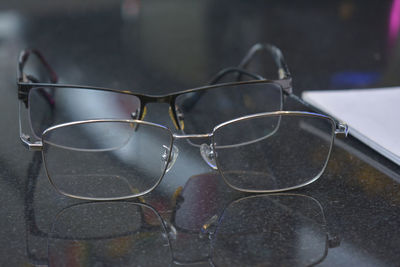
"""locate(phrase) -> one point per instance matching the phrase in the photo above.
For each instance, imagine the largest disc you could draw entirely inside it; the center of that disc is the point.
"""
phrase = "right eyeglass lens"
(106, 159)
(273, 152)
(203, 110)
(49, 106)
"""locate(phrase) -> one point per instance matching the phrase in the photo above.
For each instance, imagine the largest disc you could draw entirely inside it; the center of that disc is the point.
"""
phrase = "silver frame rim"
(281, 91)
(99, 121)
(267, 114)
(211, 136)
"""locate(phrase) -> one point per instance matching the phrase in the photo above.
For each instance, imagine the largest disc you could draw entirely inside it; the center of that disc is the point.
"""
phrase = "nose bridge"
(163, 99)
(206, 151)
(192, 136)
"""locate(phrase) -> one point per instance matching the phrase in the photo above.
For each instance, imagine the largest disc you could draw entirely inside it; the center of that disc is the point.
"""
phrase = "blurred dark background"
(158, 46)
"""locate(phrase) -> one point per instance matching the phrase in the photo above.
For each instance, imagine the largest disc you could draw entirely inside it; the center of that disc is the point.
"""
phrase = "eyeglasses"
(49, 104)
(89, 157)
(114, 159)
(288, 229)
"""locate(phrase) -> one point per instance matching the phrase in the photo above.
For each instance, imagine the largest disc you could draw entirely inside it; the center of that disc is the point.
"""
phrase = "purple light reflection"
(394, 22)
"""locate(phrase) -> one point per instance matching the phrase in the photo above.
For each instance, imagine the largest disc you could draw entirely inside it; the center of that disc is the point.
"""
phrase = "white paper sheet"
(373, 115)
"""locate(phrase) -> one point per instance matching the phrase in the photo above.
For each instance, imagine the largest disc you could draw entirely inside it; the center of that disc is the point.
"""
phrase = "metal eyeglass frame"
(207, 151)
(26, 83)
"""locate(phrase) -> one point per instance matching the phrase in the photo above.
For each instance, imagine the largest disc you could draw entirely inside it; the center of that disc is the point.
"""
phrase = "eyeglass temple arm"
(23, 58)
(285, 78)
(217, 77)
(276, 53)
(26, 78)
(283, 71)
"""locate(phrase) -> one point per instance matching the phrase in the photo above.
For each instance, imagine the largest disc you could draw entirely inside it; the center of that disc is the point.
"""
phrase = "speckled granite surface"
(349, 217)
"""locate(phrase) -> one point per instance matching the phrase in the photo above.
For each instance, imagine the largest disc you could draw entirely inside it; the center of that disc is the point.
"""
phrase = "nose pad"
(209, 227)
(135, 116)
(208, 155)
(172, 232)
(168, 162)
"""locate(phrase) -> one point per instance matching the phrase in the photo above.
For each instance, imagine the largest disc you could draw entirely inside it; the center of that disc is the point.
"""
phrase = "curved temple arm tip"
(283, 70)
(23, 58)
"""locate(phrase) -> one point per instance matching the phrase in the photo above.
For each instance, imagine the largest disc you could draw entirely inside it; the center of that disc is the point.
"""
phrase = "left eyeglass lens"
(49, 106)
(272, 152)
(203, 110)
(106, 159)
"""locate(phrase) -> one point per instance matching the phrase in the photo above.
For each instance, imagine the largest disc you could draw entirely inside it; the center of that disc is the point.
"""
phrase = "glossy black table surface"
(349, 217)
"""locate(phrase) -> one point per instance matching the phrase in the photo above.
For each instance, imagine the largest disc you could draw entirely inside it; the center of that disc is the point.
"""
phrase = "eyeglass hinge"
(23, 92)
(23, 88)
(36, 146)
(342, 129)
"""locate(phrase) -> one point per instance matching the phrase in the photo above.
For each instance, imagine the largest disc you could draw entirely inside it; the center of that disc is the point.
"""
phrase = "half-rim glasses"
(107, 154)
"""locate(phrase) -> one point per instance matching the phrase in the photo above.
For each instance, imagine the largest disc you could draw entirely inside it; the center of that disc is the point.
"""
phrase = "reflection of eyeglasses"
(114, 233)
(110, 231)
(285, 228)
(280, 229)
(121, 157)
(273, 229)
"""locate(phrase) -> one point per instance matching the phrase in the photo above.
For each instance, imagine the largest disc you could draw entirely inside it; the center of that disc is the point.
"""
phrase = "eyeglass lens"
(49, 106)
(203, 110)
(107, 159)
(273, 152)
